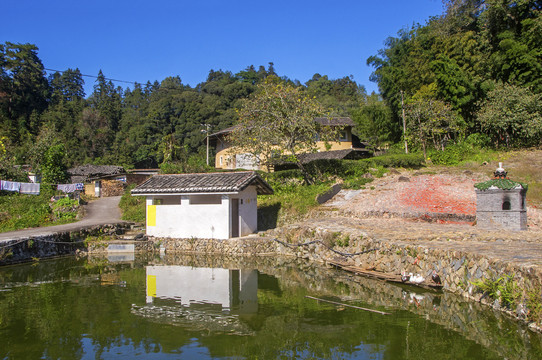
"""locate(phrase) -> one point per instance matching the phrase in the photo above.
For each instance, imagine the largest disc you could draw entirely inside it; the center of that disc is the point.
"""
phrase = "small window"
(506, 205)
(205, 199)
(221, 160)
(344, 136)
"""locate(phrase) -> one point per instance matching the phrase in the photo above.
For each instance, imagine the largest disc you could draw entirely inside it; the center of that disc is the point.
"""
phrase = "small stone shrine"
(500, 203)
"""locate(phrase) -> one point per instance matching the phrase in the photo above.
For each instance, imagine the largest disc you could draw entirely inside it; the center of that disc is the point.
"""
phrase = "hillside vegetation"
(469, 78)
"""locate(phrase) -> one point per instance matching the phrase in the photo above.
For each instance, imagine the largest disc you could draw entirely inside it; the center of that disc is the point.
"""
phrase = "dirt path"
(98, 212)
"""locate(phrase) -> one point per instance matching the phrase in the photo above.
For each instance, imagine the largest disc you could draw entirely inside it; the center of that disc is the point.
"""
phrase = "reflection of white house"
(189, 285)
(212, 205)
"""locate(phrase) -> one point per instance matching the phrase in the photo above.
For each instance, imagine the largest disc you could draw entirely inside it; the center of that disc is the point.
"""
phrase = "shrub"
(503, 289)
(468, 150)
(65, 209)
(412, 160)
(132, 207)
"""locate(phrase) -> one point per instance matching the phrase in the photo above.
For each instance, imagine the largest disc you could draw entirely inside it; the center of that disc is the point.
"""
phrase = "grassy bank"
(18, 211)
(132, 207)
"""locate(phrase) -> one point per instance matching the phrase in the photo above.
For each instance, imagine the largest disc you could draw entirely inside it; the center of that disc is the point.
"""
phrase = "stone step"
(132, 237)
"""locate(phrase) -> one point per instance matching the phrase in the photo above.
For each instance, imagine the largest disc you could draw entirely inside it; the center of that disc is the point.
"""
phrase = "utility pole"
(404, 121)
(206, 131)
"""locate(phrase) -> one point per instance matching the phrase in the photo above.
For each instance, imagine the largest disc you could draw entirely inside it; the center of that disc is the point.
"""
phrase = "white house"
(211, 205)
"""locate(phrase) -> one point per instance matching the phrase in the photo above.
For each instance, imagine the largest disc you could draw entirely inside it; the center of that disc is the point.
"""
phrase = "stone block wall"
(505, 209)
(52, 245)
(458, 270)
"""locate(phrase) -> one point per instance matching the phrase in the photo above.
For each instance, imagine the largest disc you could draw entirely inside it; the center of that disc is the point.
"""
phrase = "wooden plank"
(352, 306)
(383, 276)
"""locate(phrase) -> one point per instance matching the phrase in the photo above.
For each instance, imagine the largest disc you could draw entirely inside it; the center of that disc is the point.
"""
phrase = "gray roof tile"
(203, 183)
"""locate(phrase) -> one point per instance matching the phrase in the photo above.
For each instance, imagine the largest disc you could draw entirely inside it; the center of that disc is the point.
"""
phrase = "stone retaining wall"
(458, 270)
(51, 245)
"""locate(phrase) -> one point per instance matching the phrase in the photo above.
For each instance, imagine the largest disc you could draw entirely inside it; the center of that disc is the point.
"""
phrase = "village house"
(348, 146)
(107, 180)
(208, 205)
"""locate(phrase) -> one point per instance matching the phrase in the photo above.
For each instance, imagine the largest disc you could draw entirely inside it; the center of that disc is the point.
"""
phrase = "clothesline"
(34, 188)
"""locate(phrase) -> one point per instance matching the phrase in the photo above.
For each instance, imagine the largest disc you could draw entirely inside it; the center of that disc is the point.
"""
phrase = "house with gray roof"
(347, 146)
(208, 205)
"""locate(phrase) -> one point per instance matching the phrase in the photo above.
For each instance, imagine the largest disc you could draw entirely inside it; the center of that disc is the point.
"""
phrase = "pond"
(189, 307)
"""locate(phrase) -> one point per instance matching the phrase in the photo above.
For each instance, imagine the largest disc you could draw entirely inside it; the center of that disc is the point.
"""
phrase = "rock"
(403, 179)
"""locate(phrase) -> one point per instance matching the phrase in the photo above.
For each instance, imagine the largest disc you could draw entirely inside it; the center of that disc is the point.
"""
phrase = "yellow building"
(348, 146)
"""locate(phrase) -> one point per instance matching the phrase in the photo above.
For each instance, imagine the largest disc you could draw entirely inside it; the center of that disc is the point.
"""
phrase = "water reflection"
(200, 298)
(231, 289)
(198, 307)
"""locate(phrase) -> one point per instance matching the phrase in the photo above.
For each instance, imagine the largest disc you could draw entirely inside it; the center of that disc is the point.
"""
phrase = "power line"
(122, 81)
(93, 76)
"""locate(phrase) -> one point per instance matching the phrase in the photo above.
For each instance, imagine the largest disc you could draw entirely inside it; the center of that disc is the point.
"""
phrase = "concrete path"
(98, 212)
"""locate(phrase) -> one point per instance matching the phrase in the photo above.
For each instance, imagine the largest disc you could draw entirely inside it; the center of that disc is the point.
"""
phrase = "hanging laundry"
(67, 188)
(10, 185)
(30, 188)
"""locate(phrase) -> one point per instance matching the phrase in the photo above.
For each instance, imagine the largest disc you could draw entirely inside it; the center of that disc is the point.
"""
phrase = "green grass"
(132, 207)
(19, 211)
(290, 202)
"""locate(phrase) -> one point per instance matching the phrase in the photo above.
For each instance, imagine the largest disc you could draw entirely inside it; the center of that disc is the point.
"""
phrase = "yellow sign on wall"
(151, 285)
(151, 215)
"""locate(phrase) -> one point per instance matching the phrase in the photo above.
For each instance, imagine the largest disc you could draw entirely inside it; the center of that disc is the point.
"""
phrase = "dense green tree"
(279, 120)
(66, 86)
(462, 53)
(374, 122)
(24, 89)
(340, 96)
(512, 116)
(53, 168)
(430, 121)
(99, 124)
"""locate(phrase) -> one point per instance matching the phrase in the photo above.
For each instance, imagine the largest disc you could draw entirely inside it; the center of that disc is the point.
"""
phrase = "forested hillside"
(149, 123)
(477, 69)
(470, 76)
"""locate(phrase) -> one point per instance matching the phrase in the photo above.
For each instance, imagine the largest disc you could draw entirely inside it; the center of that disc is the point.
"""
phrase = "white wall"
(179, 217)
(246, 161)
(191, 220)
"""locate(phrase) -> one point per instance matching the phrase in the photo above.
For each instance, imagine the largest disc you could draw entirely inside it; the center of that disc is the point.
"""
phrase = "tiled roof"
(88, 172)
(223, 131)
(203, 183)
(335, 121)
(334, 154)
(504, 184)
(96, 170)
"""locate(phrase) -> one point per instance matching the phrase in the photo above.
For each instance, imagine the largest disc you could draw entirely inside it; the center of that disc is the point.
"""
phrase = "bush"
(468, 150)
(65, 209)
(412, 160)
(132, 207)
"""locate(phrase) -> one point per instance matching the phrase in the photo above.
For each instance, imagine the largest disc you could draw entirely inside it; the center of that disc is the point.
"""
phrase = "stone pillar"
(500, 203)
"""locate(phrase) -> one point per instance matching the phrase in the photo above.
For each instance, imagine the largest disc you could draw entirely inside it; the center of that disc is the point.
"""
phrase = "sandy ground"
(441, 198)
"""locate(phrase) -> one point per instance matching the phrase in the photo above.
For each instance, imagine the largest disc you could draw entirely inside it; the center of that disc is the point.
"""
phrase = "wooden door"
(234, 217)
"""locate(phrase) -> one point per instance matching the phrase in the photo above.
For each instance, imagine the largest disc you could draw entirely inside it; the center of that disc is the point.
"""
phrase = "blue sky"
(150, 40)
